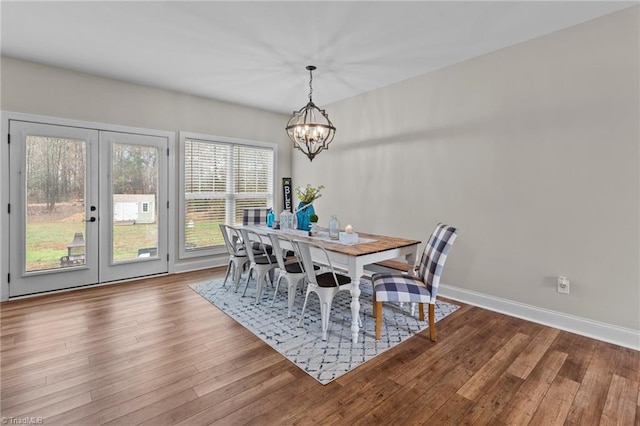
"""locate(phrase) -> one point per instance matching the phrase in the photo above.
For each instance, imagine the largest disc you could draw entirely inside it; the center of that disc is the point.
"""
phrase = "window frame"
(183, 137)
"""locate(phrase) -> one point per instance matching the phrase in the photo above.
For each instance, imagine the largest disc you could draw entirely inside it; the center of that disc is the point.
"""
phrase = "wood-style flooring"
(154, 352)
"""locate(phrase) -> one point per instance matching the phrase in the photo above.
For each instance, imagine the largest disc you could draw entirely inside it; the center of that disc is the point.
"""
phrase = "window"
(221, 177)
(145, 207)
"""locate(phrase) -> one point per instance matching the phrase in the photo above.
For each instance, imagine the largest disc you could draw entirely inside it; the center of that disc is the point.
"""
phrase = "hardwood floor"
(154, 352)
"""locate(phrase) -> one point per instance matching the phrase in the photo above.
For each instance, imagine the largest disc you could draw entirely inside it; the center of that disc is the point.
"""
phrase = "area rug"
(303, 345)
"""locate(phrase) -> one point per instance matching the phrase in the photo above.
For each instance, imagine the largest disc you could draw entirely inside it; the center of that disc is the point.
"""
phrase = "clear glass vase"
(334, 228)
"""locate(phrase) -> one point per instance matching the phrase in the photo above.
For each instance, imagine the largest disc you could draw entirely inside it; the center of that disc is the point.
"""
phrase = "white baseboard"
(621, 336)
(196, 265)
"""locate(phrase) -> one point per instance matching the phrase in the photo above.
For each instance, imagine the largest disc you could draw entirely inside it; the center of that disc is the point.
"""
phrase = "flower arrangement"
(309, 194)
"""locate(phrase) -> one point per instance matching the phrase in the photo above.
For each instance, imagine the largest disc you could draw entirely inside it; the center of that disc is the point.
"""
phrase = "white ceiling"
(255, 53)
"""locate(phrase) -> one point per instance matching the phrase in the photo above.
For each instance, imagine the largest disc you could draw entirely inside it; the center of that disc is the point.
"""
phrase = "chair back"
(434, 255)
(231, 239)
(257, 216)
(304, 249)
(249, 236)
(307, 261)
(278, 251)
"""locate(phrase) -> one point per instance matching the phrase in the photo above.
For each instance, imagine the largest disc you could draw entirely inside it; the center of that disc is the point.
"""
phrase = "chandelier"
(309, 128)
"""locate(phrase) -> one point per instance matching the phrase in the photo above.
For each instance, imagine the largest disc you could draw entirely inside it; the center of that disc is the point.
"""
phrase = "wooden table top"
(380, 243)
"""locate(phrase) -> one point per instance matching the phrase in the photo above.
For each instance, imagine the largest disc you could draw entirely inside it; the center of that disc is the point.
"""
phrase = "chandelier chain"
(310, 86)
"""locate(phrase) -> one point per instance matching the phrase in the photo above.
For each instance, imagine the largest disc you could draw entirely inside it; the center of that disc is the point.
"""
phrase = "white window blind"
(221, 179)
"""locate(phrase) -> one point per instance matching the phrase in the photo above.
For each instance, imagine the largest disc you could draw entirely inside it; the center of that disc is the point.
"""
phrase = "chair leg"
(238, 274)
(262, 278)
(377, 312)
(421, 305)
(291, 295)
(248, 279)
(275, 293)
(325, 312)
(324, 318)
(226, 276)
(374, 311)
(432, 321)
(304, 306)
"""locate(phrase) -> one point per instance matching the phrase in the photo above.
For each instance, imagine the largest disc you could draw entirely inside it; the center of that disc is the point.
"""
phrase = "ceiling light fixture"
(309, 128)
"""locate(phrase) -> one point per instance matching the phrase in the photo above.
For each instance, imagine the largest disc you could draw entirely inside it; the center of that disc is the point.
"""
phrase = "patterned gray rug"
(323, 360)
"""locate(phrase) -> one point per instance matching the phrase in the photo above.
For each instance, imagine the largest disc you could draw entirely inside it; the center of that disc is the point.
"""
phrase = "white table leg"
(355, 308)
(411, 261)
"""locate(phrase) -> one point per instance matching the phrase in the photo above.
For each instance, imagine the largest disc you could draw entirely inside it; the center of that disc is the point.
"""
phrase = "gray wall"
(33, 88)
(40, 89)
(532, 151)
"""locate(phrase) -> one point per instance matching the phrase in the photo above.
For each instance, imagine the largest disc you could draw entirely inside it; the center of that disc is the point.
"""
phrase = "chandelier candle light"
(348, 236)
(309, 128)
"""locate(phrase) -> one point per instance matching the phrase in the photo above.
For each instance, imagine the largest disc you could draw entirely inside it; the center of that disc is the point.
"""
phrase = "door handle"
(93, 219)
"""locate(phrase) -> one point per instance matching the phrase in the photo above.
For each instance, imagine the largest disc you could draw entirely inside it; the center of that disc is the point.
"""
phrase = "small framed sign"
(287, 195)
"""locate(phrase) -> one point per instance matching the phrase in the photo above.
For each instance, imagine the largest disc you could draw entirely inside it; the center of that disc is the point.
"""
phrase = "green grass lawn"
(204, 233)
(47, 242)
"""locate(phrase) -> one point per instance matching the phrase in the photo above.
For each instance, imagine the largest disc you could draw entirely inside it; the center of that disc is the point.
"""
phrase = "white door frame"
(111, 270)
(6, 116)
(60, 276)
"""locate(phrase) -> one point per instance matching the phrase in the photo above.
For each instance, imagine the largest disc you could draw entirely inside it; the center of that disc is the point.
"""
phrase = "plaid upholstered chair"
(421, 289)
(257, 216)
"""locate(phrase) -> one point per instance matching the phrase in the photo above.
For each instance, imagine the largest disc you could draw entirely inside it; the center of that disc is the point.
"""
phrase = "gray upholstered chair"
(421, 289)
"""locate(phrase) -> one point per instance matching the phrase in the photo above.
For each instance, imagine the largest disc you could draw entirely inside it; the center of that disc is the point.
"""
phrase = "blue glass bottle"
(270, 218)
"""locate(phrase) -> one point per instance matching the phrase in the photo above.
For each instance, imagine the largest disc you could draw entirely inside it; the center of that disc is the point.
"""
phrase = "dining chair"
(291, 268)
(255, 216)
(261, 261)
(421, 289)
(325, 284)
(238, 257)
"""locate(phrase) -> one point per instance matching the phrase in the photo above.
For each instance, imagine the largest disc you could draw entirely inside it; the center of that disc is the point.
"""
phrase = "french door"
(87, 206)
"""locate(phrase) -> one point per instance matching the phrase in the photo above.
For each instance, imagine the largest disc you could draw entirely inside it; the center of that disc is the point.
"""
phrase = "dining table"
(352, 257)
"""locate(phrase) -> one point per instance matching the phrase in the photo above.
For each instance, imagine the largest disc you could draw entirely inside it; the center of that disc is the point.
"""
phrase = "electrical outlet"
(563, 285)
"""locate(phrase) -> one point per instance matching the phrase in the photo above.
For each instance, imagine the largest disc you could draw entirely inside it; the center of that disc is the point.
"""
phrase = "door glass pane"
(55, 210)
(134, 201)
